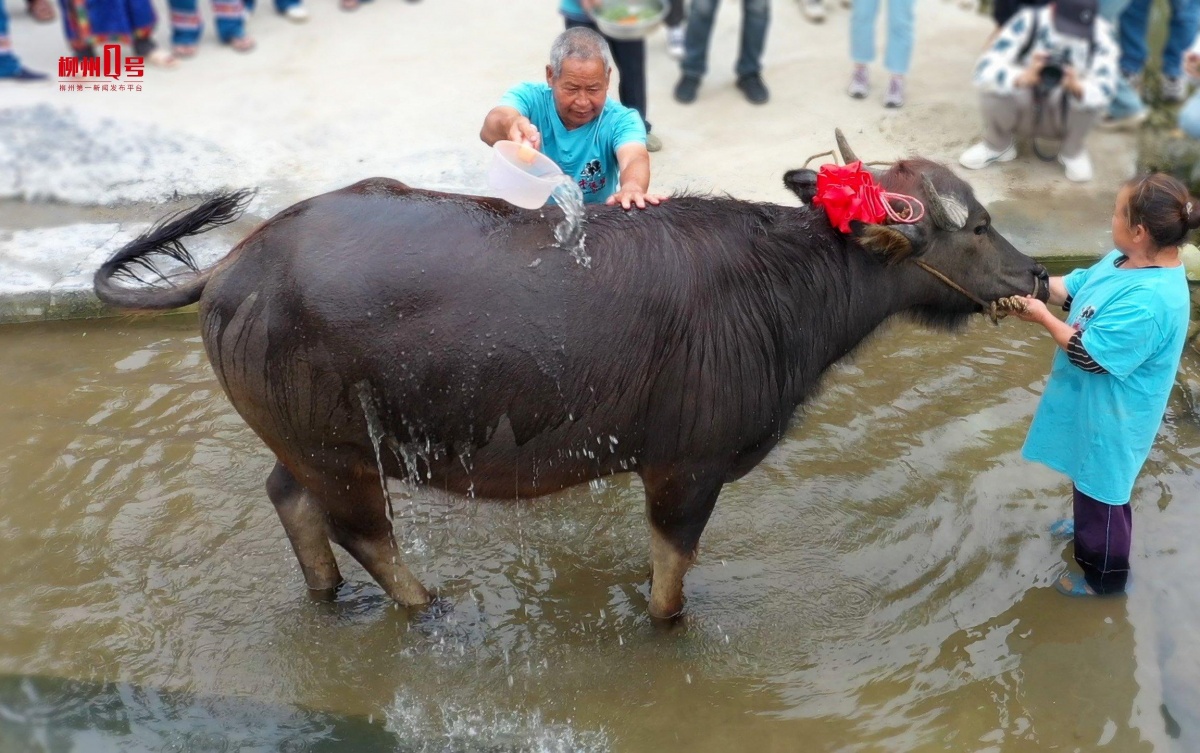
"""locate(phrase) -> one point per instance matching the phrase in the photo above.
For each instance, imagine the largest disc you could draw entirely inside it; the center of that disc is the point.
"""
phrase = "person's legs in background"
(143, 19)
(1126, 109)
(1004, 115)
(10, 66)
(756, 19)
(186, 26)
(898, 57)
(1071, 133)
(630, 58)
(230, 17)
(1131, 34)
(674, 22)
(701, 15)
(1181, 32)
(862, 45)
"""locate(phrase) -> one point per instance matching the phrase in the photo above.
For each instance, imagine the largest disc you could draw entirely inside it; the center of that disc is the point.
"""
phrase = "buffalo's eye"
(981, 229)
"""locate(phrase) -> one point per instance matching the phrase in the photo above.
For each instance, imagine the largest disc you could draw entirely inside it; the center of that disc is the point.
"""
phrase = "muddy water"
(880, 583)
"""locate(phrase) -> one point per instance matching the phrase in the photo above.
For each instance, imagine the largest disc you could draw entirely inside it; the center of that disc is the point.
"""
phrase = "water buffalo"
(446, 339)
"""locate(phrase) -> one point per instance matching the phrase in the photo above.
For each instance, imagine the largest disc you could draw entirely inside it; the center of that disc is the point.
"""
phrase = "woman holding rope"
(1118, 351)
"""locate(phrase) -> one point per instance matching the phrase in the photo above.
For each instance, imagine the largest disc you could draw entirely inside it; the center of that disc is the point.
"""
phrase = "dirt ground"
(400, 89)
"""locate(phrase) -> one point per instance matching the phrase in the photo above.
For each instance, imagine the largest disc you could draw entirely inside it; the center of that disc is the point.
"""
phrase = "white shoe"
(675, 47)
(860, 82)
(296, 13)
(1079, 167)
(981, 155)
(814, 10)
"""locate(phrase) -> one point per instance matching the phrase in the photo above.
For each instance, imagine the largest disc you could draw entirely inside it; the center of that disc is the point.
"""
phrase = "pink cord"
(910, 214)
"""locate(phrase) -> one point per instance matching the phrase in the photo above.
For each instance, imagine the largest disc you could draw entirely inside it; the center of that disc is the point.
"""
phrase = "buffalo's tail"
(140, 258)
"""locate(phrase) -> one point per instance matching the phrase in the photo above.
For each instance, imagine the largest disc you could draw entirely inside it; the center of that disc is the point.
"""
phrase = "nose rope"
(994, 312)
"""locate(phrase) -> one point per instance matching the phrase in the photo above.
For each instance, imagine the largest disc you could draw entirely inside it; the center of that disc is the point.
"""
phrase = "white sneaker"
(814, 10)
(1079, 167)
(981, 155)
(1174, 89)
(675, 47)
(297, 14)
(860, 83)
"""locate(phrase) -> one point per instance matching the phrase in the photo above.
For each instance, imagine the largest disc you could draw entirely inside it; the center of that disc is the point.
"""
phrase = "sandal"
(1073, 584)
(184, 50)
(41, 10)
(162, 59)
(241, 44)
(1063, 528)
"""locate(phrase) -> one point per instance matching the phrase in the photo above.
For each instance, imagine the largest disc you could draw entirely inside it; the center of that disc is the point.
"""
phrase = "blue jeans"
(186, 25)
(899, 33)
(9, 65)
(756, 16)
(1126, 101)
(1185, 16)
(1189, 116)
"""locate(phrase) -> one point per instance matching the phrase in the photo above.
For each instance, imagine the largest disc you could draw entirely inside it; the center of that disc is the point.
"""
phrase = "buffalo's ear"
(892, 242)
(802, 182)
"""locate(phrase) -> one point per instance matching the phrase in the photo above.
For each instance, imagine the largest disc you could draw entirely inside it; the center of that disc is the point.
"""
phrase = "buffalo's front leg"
(678, 503)
(306, 528)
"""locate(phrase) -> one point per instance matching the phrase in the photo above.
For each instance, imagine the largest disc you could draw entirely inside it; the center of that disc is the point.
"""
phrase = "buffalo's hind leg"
(678, 504)
(359, 523)
(306, 528)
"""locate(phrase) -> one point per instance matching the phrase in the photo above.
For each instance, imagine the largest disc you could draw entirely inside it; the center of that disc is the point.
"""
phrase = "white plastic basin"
(525, 178)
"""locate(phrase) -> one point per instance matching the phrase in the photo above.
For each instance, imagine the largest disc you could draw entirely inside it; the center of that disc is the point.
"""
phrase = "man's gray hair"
(579, 43)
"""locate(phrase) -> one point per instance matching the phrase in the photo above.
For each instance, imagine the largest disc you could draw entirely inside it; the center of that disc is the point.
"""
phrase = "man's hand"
(1071, 82)
(522, 131)
(632, 195)
(1032, 72)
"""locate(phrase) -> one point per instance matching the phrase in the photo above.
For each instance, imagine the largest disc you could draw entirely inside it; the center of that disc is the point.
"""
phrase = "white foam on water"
(446, 727)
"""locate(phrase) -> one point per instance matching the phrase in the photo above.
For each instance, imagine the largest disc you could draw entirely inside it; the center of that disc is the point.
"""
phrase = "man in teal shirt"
(599, 142)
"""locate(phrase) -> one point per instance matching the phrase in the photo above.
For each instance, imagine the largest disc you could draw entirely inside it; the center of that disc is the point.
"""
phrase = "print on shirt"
(592, 180)
(1087, 313)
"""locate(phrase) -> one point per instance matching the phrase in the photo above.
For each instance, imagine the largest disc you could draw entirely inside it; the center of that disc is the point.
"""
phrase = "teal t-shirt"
(588, 153)
(573, 10)
(1098, 428)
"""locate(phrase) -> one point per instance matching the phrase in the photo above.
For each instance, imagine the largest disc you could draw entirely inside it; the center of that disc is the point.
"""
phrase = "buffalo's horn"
(946, 212)
(848, 155)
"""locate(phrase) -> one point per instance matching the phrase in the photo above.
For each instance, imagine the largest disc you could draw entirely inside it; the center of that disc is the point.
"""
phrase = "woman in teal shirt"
(1119, 349)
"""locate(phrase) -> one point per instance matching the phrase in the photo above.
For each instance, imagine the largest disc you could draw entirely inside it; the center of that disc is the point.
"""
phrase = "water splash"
(441, 727)
(568, 233)
(375, 431)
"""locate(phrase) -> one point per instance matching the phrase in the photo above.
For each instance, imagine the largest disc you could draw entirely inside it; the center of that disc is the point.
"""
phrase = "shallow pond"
(880, 583)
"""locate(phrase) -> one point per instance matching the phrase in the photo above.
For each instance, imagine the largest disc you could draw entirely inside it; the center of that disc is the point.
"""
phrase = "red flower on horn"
(849, 192)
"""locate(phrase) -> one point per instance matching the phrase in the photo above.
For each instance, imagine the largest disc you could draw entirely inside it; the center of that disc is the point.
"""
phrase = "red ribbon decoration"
(849, 192)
